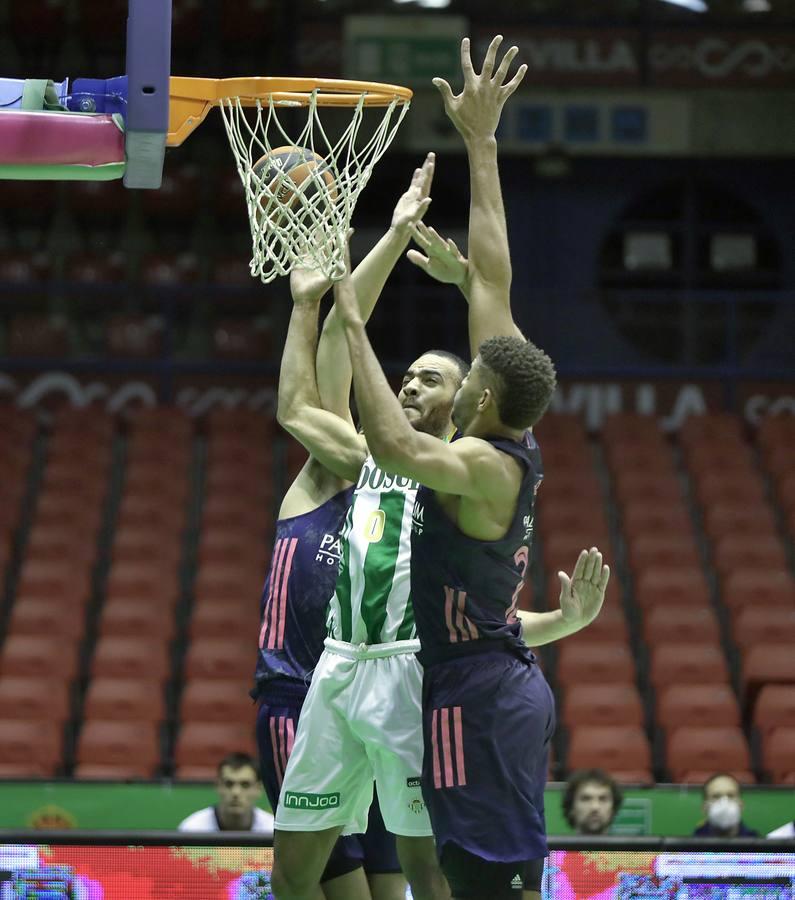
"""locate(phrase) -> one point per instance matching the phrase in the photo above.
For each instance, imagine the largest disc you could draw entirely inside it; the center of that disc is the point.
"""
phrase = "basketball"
(286, 175)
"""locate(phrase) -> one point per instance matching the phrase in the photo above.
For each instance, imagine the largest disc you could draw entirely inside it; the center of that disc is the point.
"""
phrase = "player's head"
(238, 785)
(428, 389)
(510, 384)
(722, 801)
(591, 801)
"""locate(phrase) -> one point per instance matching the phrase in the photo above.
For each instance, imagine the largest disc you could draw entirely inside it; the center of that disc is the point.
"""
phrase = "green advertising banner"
(662, 811)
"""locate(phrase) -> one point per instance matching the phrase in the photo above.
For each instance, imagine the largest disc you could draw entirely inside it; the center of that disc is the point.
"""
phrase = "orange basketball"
(287, 173)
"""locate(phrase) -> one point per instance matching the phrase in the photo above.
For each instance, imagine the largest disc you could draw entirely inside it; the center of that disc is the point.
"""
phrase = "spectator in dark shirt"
(723, 809)
(591, 801)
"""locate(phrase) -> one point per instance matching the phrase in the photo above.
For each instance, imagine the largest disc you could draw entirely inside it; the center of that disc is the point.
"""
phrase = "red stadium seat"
(696, 705)
(228, 583)
(711, 428)
(56, 577)
(296, 458)
(148, 582)
(47, 616)
(642, 458)
(778, 754)
(748, 551)
(147, 511)
(776, 431)
(722, 519)
(623, 428)
(609, 625)
(726, 487)
(763, 625)
(205, 743)
(254, 424)
(30, 748)
(132, 745)
(41, 699)
(717, 748)
(583, 487)
(558, 427)
(767, 664)
(650, 487)
(733, 459)
(61, 510)
(561, 459)
(221, 545)
(700, 776)
(129, 618)
(162, 420)
(642, 517)
(554, 518)
(693, 664)
(612, 748)
(137, 657)
(595, 663)
(24, 656)
(602, 704)
(137, 545)
(780, 464)
(230, 620)
(561, 550)
(34, 335)
(685, 624)
(210, 700)
(775, 707)
(250, 515)
(758, 588)
(222, 659)
(57, 542)
(124, 700)
(673, 551)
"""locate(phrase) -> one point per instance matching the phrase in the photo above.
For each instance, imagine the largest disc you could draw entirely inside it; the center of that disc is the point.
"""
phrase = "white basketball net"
(312, 230)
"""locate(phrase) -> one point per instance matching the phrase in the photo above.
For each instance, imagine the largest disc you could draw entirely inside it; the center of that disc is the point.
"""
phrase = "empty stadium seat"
(711, 428)
(601, 704)
(685, 624)
(641, 517)
(595, 663)
(646, 459)
(700, 776)
(661, 550)
(222, 545)
(211, 700)
(232, 583)
(553, 518)
(692, 664)
(561, 550)
(60, 578)
(612, 748)
(30, 748)
(220, 658)
(778, 754)
(204, 743)
(716, 748)
(775, 707)
(132, 657)
(583, 487)
(252, 423)
(650, 487)
(754, 624)
(726, 487)
(767, 664)
(123, 617)
(40, 698)
(236, 619)
(28, 656)
(758, 587)
(625, 427)
(721, 519)
(138, 545)
(696, 704)
(746, 551)
(560, 427)
(124, 699)
(35, 335)
(733, 460)
(609, 625)
(47, 616)
(148, 582)
(135, 746)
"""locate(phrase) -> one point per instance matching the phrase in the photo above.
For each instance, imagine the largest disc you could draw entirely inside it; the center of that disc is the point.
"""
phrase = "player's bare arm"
(369, 278)
(330, 439)
(475, 112)
(581, 597)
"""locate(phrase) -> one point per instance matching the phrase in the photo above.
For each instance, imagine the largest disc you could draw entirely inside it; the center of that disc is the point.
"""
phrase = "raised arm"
(475, 112)
(581, 599)
(369, 278)
(330, 439)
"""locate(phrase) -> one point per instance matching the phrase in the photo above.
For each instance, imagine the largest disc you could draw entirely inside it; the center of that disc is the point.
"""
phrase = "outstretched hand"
(475, 112)
(582, 594)
(414, 203)
(444, 261)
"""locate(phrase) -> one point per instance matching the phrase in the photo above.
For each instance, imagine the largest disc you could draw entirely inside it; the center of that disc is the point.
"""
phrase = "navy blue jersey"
(465, 590)
(301, 579)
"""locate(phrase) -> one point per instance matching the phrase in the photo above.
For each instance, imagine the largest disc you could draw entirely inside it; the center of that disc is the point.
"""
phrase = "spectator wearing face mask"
(723, 809)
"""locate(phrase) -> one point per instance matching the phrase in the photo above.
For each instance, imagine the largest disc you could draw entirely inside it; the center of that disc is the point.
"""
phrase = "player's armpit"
(469, 467)
(332, 441)
(489, 312)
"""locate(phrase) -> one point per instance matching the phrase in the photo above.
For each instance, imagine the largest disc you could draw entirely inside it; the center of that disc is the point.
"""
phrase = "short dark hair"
(525, 379)
(589, 776)
(237, 761)
(461, 365)
(714, 777)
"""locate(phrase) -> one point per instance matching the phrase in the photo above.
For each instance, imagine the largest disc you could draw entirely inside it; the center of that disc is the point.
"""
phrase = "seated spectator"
(785, 831)
(723, 809)
(591, 801)
(239, 787)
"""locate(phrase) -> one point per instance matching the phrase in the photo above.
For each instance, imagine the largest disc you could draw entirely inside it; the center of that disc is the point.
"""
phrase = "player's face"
(722, 786)
(592, 809)
(427, 393)
(238, 790)
(466, 400)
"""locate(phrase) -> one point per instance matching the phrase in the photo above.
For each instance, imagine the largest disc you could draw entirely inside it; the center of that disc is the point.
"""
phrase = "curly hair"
(524, 379)
(588, 776)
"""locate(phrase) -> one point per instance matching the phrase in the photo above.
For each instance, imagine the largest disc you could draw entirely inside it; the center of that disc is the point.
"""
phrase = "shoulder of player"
(492, 466)
(201, 820)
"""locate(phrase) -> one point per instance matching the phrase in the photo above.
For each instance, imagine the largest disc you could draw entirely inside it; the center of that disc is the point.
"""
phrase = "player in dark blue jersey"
(306, 551)
(488, 712)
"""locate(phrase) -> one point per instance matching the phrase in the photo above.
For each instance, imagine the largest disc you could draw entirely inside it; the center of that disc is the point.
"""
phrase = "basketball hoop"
(310, 228)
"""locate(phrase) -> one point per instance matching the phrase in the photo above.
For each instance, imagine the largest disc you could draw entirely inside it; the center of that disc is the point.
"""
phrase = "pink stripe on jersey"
(460, 618)
(283, 593)
(290, 737)
(473, 632)
(272, 610)
(437, 775)
(275, 751)
(448, 614)
(458, 739)
(283, 740)
(269, 598)
(448, 756)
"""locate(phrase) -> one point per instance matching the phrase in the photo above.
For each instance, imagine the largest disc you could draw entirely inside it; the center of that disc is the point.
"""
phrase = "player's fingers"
(422, 207)
(466, 59)
(491, 55)
(420, 234)
(604, 578)
(565, 586)
(453, 247)
(597, 568)
(505, 64)
(445, 90)
(418, 259)
(590, 564)
(579, 566)
(514, 83)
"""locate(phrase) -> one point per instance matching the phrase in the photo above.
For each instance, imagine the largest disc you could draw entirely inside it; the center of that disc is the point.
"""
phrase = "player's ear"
(487, 399)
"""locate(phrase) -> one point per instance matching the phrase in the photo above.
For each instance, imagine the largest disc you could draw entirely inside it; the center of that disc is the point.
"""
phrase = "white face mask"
(724, 813)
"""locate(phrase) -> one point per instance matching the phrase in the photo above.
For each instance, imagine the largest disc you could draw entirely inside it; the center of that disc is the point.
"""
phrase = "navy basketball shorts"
(487, 724)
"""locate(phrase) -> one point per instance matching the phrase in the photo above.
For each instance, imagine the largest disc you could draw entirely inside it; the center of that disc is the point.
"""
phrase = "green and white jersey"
(371, 603)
